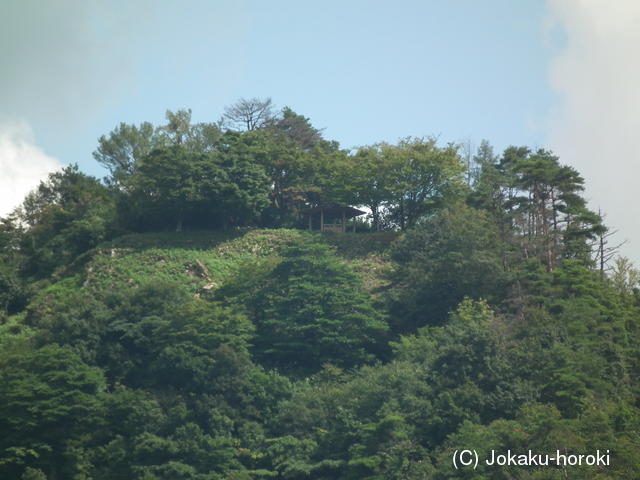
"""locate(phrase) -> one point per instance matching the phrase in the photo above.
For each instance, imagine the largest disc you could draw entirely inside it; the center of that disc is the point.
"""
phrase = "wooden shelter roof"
(334, 211)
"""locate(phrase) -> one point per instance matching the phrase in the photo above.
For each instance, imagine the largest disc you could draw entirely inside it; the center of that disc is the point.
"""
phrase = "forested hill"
(479, 308)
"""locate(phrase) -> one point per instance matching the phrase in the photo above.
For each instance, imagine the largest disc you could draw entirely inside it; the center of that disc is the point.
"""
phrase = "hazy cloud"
(60, 60)
(596, 127)
(22, 164)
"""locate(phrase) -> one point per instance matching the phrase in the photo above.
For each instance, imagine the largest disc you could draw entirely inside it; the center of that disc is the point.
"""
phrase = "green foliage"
(77, 321)
(177, 183)
(15, 337)
(309, 309)
(128, 342)
(48, 401)
(470, 370)
(282, 175)
(202, 347)
(539, 428)
(353, 426)
(243, 192)
(170, 182)
(12, 294)
(453, 255)
(33, 474)
(201, 326)
(157, 355)
(410, 180)
(145, 439)
(431, 178)
(576, 338)
(624, 277)
(370, 178)
(186, 400)
(68, 214)
(536, 204)
(127, 145)
(298, 129)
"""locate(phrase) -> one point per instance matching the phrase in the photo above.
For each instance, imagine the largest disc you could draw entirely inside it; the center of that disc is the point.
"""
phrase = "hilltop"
(199, 259)
(482, 310)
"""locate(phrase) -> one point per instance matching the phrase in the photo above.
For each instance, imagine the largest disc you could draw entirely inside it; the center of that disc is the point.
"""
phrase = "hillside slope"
(255, 354)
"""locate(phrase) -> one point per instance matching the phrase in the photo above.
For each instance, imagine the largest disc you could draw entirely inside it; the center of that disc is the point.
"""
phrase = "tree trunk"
(376, 218)
(179, 219)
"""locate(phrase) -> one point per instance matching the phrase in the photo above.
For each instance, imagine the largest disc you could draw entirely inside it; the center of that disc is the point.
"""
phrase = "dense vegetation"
(479, 308)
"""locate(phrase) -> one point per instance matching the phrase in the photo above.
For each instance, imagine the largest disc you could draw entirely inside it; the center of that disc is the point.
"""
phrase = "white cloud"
(65, 60)
(596, 126)
(22, 164)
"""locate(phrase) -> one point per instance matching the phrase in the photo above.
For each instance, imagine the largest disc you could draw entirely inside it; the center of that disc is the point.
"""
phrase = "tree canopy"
(477, 308)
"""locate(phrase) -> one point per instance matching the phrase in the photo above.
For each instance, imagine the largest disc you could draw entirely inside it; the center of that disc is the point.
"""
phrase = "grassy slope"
(201, 260)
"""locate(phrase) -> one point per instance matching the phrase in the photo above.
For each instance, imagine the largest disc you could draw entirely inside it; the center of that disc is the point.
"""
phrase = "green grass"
(199, 259)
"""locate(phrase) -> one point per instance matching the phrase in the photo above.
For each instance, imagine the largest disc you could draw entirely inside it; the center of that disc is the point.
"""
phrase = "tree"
(12, 294)
(171, 181)
(48, 400)
(199, 138)
(309, 309)
(253, 114)
(242, 185)
(493, 192)
(66, 215)
(126, 350)
(124, 148)
(453, 255)
(297, 128)
(78, 322)
(365, 424)
(468, 369)
(196, 342)
(277, 174)
(177, 183)
(178, 130)
(405, 182)
(430, 178)
(155, 437)
(127, 145)
(602, 252)
(552, 205)
(466, 148)
(624, 277)
(369, 178)
(537, 205)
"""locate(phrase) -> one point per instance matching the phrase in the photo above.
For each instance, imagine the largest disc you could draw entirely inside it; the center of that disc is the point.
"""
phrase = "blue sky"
(561, 74)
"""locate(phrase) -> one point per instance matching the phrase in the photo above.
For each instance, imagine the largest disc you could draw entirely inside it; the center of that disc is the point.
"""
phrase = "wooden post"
(322, 220)
(344, 219)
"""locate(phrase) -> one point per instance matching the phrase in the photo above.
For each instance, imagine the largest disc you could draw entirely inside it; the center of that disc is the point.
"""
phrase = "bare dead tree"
(467, 148)
(603, 253)
(251, 114)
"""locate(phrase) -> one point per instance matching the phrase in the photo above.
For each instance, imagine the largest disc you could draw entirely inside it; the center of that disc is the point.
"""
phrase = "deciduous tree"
(170, 182)
(253, 114)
